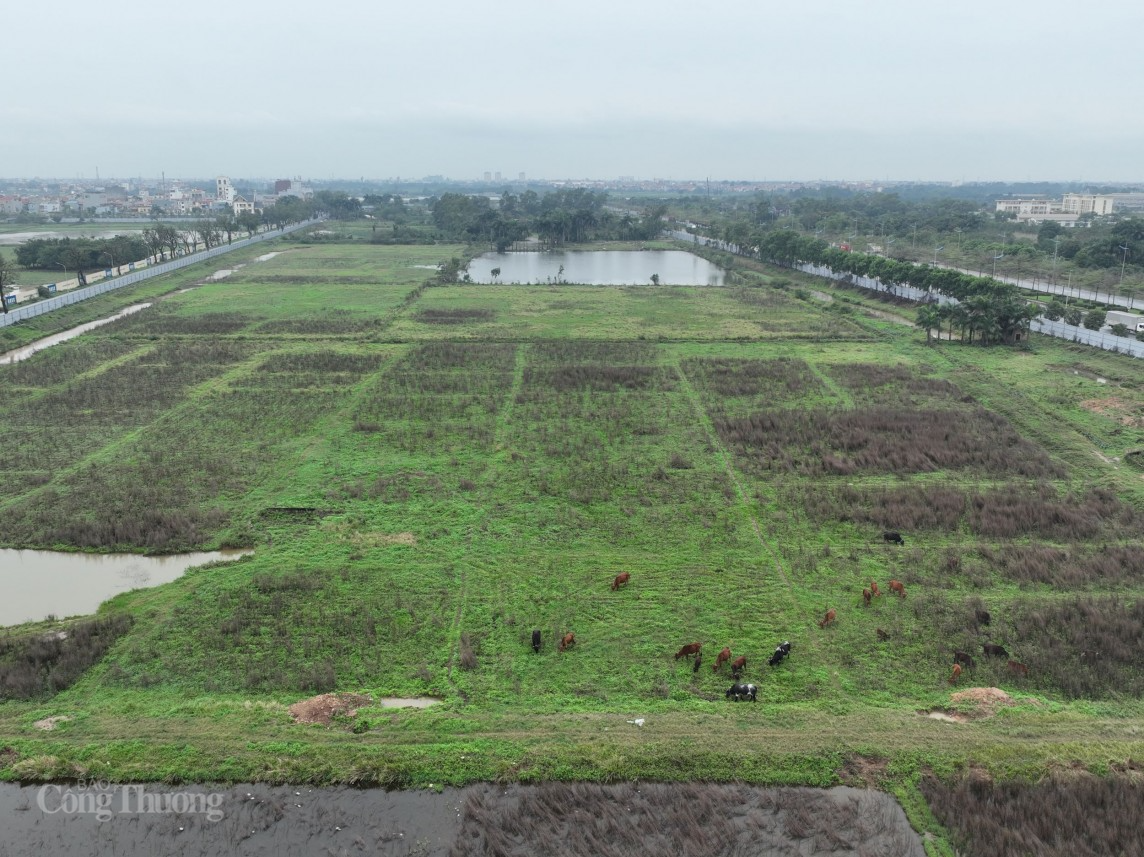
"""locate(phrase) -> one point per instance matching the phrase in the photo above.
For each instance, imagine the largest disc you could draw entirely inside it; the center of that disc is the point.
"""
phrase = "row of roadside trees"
(987, 310)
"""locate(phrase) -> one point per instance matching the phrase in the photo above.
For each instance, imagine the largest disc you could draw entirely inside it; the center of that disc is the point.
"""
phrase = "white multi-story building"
(224, 190)
(1066, 211)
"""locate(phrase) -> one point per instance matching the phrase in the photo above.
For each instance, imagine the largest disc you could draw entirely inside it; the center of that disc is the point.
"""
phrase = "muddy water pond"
(37, 584)
(556, 819)
(598, 268)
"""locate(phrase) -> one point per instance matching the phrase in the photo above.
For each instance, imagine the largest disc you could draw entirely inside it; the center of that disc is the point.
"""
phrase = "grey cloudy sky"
(769, 89)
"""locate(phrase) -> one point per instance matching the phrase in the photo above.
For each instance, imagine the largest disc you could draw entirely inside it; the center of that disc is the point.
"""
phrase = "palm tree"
(929, 317)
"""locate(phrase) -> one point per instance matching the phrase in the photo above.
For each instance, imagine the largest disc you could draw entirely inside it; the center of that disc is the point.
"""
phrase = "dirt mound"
(49, 723)
(325, 707)
(984, 700)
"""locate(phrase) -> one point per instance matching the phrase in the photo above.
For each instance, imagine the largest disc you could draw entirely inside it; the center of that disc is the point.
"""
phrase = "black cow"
(737, 692)
(896, 538)
(964, 658)
(697, 664)
(995, 650)
(781, 651)
(536, 641)
(983, 617)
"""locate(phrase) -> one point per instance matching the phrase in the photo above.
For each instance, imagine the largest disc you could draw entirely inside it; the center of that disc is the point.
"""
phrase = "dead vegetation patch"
(326, 706)
(1075, 814)
(860, 771)
(688, 820)
(1116, 408)
(828, 442)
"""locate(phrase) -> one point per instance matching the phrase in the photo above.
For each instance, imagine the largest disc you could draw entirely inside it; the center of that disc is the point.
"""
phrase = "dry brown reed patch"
(687, 820)
(326, 706)
(1072, 813)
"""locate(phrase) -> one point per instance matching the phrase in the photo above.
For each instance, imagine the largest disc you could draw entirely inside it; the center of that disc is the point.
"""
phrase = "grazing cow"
(738, 665)
(828, 618)
(689, 649)
(721, 658)
(1090, 656)
(866, 596)
(620, 580)
(983, 617)
(896, 586)
(536, 641)
(567, 640)
(964, 658)
(874, 590)
(882, 635)
(698, 661)
(994, 650)
(1018, 669)
(890, 536)
(737, 692)
(781, 651)
(956, 674)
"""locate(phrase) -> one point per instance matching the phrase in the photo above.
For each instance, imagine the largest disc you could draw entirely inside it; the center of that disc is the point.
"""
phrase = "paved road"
(1095, 338)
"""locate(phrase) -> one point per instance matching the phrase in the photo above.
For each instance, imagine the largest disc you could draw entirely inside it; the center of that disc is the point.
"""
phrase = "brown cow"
(1018, 669)
(882, 635)
(874, 589)
(828, 618)
(721, 658)
(620, 580)
(896, 586)
(567, 640)
(689, 649)
(866, 596)
(956, 674)
(738, 665)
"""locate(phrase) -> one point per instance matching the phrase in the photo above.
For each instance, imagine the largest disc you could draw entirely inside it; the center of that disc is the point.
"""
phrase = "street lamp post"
(936, 250)
(1056, 241)
(997, 259)
(1123, 259)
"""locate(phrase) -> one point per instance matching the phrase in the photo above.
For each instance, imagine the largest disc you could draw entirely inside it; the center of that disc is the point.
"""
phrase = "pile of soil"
(325, 707)
(984, 700)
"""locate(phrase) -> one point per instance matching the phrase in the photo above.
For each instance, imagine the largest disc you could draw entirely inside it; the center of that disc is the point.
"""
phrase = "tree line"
(564, 216)
(989, 310)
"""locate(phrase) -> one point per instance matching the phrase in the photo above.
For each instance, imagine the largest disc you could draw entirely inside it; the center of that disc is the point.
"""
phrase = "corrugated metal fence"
(20, 313)
(1073, 333)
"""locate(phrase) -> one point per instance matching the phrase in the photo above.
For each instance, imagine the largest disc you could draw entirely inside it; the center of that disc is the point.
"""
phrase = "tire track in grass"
(500, 435)
(769, 551)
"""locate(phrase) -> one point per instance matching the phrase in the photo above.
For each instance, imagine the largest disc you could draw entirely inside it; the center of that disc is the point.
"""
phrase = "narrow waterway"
(23, 353)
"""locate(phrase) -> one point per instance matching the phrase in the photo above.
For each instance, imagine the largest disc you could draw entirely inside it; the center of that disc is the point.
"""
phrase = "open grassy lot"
(430, 473)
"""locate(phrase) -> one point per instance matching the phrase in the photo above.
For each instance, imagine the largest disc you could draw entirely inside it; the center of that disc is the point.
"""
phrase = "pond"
(598, 268)
(37, 584)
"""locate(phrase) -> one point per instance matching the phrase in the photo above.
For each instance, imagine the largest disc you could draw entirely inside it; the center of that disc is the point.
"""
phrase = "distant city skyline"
(746, 90)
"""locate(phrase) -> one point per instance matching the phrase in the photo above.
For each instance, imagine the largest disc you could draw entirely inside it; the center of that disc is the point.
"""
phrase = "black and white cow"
(781, 651)
(737, 692)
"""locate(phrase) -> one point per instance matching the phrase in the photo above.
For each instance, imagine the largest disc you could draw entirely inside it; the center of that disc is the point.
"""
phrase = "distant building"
(224, 190)
(1067, 211)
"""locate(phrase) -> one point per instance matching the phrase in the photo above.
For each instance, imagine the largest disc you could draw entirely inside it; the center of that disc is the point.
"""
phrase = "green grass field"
(428, 473)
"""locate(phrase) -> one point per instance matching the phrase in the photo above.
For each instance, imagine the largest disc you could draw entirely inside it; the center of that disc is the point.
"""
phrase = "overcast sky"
(740, 89)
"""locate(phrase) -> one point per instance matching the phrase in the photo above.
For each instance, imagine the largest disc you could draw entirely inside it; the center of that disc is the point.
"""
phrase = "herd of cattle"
(749, 691)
